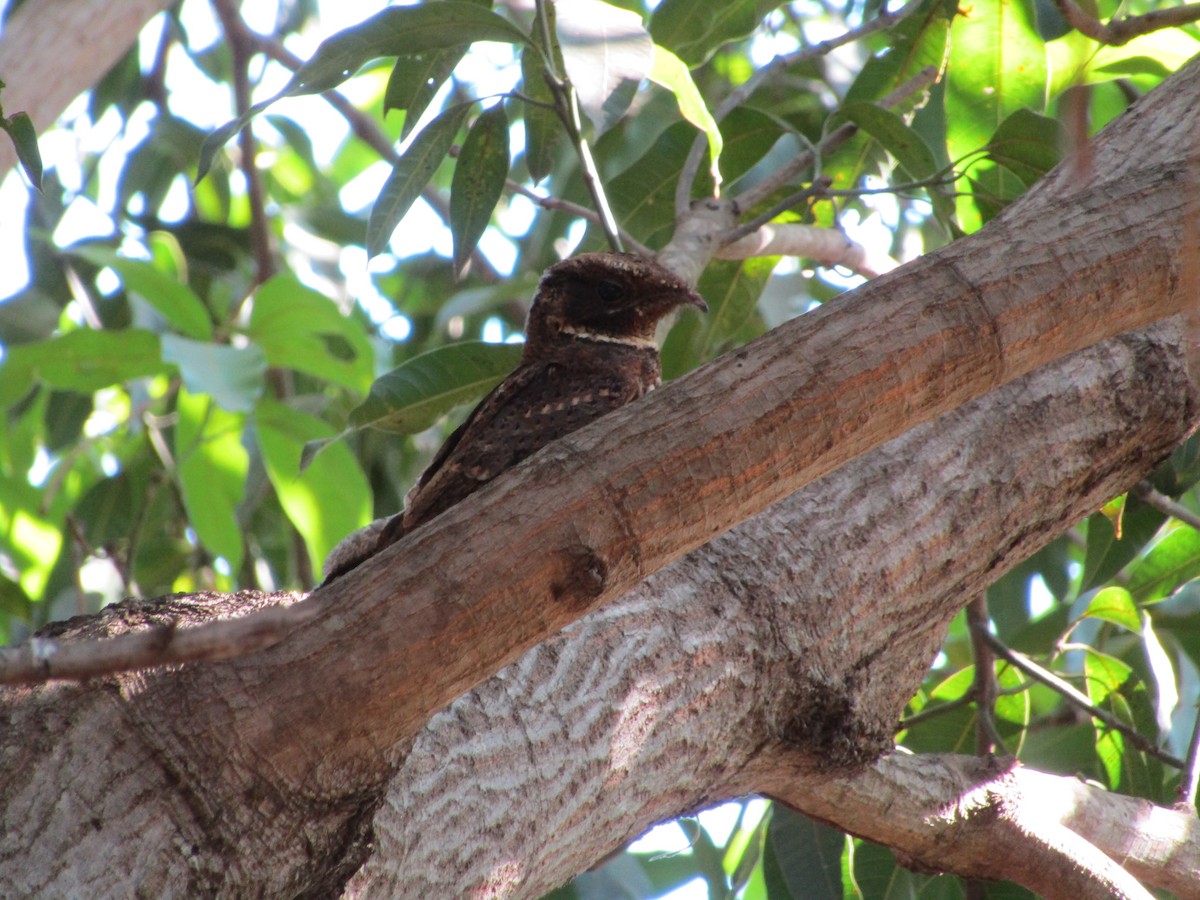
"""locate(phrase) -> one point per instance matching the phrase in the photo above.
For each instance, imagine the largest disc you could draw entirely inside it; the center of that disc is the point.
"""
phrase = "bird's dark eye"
(609, 291)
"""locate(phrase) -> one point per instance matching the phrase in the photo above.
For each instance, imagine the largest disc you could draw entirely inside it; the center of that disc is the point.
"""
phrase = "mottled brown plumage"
(589, 349)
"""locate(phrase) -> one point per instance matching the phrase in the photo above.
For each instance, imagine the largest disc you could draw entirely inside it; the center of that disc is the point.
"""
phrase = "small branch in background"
(1148, 494)
(691, 167)
(1071, 695)
(983, 689)
(1122, 31)
(243, 46)
(567, 103)
(825, 246)
(1185, 797)
(584, 212)
(816, 189)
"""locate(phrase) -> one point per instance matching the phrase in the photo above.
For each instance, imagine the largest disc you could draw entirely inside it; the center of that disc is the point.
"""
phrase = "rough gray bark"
(263, 774)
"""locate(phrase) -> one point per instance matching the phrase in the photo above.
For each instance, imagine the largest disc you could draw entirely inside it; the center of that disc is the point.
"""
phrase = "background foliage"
(207, 383)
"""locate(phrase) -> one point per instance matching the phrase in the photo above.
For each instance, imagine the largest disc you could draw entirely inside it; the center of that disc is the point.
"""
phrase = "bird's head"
(613, 297)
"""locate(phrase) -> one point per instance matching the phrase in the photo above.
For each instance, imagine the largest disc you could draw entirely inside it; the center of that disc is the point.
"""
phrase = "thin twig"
(816, 189)
(1070, 694)
(567, 102)
(983, 688)
(691, 167)
(575, 209)
(1122, 31)
(1185, 798)
(242, 47)
(1148, 494)
(933, 712)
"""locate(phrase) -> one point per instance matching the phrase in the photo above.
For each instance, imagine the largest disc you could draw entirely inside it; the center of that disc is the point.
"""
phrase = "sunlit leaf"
(1162, 671)
(896, 137)
(331, 497)
(670, 72)
(1114, 604)
(211, 464)
(81, 360)
(1173, 560)
(478, 181)
(1105, 554)
(411, 174)
(413, 396)
(299, 328)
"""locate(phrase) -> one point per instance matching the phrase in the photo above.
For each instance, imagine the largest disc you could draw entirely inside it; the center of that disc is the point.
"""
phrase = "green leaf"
(19, 128)
(478, 181)
(695, 31)
(1114, 604)
(670, 72)
(607, 53)
(395, 31)
(415, 80)
(1027, 144)
(917, 42)
(411, 174)
(331, 497)
(82, 360)
(233, 376)
(1106, 555)
(299, 328)
(543, 130)
(1172, 561)
(897, 138)
(399, 31)
(801, 857)
(211, 464)
(414, 395)
(177, 303)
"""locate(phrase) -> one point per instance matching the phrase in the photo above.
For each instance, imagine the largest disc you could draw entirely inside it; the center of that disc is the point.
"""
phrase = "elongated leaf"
(543, 130)
(398, 31)
(415, 81)
(211, 464)
(20, 128)
(803, 857)
(395, 31)
(177, 302)
(411, 174)
(233, 376)
(331, 497)
(896, 137)
(1173, 560)
(695, 31)
(670, 72)
(1106, 555)
(81, 360)
(478, 181)
(411, 397)
(917, 42)
(1027, 144)
(298, 328)
(607, 52)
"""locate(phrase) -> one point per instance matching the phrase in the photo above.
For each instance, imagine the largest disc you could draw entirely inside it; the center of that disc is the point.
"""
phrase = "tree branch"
(1121, 31)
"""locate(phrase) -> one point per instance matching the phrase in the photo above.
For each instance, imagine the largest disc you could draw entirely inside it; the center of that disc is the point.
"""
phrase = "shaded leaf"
(543, 130)
(412, 396)
(1027, 144)
(801, 857)
(896, 137)
(1106, 555)
(19, 128)
(478, 181)
(695, 31)
(233, 376)
(411, 174)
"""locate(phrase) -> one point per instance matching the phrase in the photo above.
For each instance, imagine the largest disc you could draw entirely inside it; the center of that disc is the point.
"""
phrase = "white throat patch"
(640, 343)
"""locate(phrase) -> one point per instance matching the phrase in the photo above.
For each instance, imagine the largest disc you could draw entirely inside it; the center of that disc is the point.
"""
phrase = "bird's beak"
(694, 299)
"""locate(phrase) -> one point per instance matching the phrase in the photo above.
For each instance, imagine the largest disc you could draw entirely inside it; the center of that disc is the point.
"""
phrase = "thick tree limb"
(51, 52)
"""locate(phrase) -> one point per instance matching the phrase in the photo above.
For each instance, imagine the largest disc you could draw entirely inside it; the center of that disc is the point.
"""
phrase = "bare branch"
(1122, 31)
(826, 246)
